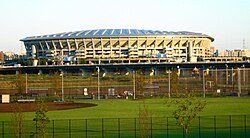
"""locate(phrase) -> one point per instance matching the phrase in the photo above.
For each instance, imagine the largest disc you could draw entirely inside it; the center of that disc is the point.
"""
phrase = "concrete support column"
(40, 72)
(82, 72)
(128, 71)
(152, 72)
(33, 53)
(105, 72)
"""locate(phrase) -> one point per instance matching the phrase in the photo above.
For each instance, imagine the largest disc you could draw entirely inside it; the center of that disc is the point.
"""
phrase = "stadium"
(103, 46)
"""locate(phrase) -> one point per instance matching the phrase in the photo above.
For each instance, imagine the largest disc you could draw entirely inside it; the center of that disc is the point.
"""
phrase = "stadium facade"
(118, 46)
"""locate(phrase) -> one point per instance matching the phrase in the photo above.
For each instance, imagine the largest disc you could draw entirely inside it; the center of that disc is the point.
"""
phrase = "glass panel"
(158, 32)
(83, 33)
(124, 31)
(74, 34)
(91, 33)
(100, 32)
(108, 32)
(141, 32)
(133, 31)
(150, 32)
(66, 34)
(116, 32)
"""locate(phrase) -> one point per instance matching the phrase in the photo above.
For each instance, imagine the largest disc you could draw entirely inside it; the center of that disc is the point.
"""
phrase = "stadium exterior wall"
(119, 46)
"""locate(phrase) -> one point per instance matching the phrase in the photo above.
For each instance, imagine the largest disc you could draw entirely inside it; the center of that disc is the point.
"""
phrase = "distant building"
(10, 56)
(1, 56)
(232, 53)
(118, 46)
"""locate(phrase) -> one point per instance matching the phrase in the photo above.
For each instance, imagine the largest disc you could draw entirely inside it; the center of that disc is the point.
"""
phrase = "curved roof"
(114, 33)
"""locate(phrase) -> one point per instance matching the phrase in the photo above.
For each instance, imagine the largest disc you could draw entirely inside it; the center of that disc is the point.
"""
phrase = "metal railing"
(204, 126)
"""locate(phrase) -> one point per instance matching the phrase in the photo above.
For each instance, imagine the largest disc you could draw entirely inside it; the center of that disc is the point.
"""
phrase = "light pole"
(226, 74)
(203, 80)
(134, 82)
(244, 74)
(62, 87)
(169, 87)
(26, 78)
(98, 82)
(239, 82)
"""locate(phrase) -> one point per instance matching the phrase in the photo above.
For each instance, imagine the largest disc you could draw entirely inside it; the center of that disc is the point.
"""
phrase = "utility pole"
(226, 74)
(98, 82)
(134, 82)
(62, 88)
(203, 80)
(169, 84)
(26, 78)
(239, 83)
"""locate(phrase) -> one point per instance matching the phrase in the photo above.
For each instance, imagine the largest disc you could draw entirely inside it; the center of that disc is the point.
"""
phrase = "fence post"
(2, 129)
(69, 128)
(215, 126)
(230, 125)
(86, 126)
(245, 125)
(36, 129)
(199, 126)
(183, 134)
(167, 127)
(102, 129)
(135, 127)
(151, 127)
(118, 127)
(53, 128)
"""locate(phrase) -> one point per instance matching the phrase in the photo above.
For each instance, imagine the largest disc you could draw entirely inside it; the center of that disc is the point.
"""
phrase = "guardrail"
(203, 126)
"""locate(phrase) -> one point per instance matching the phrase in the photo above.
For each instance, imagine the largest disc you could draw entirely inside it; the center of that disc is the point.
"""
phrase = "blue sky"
(228, 21)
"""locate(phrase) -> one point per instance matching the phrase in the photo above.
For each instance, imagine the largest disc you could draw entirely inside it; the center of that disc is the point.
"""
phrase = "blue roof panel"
(113, 33)
(125, 32)
(91, 33)
(133, 32)
(116, 32)
(108, 32)
(100, 32)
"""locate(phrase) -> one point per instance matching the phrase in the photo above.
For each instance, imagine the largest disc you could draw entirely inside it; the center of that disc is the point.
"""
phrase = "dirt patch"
(31, 107)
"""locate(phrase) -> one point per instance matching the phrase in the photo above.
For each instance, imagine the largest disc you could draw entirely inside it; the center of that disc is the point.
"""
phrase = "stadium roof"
(115, 33)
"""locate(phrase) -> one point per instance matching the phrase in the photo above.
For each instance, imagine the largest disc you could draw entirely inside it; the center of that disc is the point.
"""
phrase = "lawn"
(119, 118)
(129, 109)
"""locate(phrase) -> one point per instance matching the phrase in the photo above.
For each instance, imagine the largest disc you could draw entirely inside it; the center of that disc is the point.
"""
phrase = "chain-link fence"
(208, 82)
(204, 126)
(216, 82)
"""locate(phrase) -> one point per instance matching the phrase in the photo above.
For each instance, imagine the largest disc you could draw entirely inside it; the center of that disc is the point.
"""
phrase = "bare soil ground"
(31, 107)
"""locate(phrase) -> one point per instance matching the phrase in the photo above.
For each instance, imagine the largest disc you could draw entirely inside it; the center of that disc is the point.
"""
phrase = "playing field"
(129, 108)
(226, 116)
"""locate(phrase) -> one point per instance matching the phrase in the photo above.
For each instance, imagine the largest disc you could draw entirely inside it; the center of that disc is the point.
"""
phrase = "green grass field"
(129, 109)
(119, 118)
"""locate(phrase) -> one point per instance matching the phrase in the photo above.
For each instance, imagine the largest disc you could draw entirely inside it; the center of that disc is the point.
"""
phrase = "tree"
(19, 83)
(17, 119)
(56, 83)
(174, 79)
(140, 82)
(187, 110)
(41, 119)
(144, 120)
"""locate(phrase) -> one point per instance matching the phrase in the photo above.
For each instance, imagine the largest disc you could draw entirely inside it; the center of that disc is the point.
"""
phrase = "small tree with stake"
(41, 119)
(17, 119)
(187, 110)
(144, 120)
